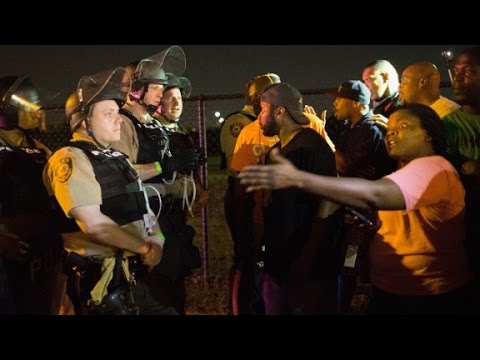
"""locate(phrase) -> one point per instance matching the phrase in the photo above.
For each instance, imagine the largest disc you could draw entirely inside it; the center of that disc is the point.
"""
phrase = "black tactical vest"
(21, 187)
(123, 201)
(151, 137)
(179, 140)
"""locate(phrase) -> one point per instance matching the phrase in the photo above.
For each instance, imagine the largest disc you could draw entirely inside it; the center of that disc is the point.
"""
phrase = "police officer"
(146, 143)
(143, 139)
(29, 245)
(114, 232)
(181, 256)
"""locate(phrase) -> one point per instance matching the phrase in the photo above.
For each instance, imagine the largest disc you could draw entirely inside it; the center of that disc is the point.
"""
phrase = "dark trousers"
(7, 305)
(167, 280)
(132, 299)
(245, 293)
(28, 287)
(358, 237)
(293, 297)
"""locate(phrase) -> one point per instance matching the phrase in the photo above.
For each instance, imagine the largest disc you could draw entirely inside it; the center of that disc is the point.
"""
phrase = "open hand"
(379, 120)
(279, 174)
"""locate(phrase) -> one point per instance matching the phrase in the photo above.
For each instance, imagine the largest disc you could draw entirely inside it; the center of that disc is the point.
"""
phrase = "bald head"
(420, 83)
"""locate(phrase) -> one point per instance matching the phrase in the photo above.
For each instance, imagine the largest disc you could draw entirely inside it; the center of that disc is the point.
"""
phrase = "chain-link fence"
(216, 107)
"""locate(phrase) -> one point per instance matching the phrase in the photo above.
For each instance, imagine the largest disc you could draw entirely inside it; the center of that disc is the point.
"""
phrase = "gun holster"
(83, 273)
(117, 303)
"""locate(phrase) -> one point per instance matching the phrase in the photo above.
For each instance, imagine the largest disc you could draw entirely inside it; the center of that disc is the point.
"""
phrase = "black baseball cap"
(285, 95)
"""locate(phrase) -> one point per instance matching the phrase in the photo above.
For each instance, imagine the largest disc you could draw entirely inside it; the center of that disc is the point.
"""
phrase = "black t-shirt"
(289, 213)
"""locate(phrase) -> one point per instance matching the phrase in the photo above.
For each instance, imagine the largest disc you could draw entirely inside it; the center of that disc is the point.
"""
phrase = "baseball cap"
(285, 95)
(354, 90)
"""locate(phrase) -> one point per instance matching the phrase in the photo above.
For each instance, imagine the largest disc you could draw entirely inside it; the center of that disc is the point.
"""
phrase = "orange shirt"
(319, 126)
(251, 146)
(419, 251)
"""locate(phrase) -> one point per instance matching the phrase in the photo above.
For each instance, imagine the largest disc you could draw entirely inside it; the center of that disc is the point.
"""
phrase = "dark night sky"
(217, 69)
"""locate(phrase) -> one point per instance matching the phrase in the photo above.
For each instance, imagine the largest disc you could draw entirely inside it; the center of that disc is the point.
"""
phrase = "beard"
(271, 128)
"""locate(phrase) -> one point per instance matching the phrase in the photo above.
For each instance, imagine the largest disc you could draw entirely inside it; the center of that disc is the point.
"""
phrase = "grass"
(211, 297)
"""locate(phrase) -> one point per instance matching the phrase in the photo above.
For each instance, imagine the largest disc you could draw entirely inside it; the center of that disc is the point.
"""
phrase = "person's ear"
(280, 111)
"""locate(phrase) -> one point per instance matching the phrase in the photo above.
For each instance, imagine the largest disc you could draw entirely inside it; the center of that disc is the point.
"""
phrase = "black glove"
(183, 160)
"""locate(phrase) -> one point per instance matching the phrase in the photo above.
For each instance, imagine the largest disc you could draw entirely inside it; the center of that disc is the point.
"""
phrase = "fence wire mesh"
(222, 105)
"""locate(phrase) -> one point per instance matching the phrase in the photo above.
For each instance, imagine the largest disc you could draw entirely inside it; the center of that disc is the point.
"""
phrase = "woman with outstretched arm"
(417, 258)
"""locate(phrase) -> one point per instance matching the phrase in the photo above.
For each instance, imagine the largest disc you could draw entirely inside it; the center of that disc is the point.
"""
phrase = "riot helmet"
(180, 82)
(152, 70)
(17, 93)
(105, 85)
(255, 87)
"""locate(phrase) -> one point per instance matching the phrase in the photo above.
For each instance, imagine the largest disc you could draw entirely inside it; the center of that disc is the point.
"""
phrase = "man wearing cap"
(300, 255)
(361, 153)
(360, 148)
(243, 144)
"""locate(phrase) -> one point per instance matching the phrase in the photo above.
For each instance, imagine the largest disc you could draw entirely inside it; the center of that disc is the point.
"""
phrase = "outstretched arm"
(381, 194)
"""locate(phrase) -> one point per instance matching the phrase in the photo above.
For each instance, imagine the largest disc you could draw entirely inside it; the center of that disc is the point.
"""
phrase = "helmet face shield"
(152, 69)
(105, 85)
(25, 96)
(18, 94)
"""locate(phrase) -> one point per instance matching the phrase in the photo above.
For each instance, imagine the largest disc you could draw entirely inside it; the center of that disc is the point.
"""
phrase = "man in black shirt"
(300, 252)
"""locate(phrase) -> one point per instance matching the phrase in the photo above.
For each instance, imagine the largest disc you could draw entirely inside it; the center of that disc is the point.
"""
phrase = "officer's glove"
(183, 160)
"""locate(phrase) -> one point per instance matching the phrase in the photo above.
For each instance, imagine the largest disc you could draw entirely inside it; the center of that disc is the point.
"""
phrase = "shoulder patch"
(235, 128)
(64, 169)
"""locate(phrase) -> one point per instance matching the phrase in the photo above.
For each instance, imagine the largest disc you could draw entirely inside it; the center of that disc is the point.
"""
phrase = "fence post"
(202, 141)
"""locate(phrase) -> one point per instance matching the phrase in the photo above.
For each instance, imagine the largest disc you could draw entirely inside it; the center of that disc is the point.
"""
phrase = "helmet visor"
(105, 85)
(23, 95)
(153, 68)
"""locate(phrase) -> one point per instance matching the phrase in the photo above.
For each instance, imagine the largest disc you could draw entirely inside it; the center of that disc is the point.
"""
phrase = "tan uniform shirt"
(230, 131)
(70, 177)
(128, 143)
